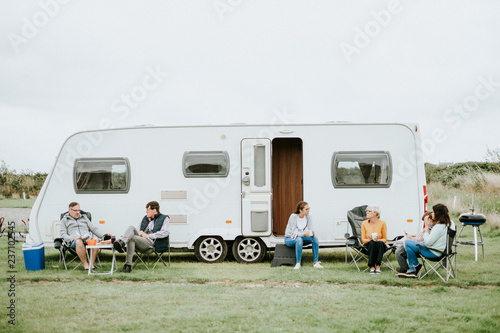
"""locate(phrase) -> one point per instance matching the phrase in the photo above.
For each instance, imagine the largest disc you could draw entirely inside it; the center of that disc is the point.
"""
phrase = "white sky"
(67, 66)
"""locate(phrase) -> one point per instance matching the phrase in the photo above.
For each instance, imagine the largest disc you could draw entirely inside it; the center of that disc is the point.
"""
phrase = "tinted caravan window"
(361, 169)
(205, 164)
(102, 175)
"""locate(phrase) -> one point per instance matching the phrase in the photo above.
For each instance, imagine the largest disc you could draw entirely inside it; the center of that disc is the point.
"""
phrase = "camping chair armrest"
(58, 243)
(393, 242)
(391, 246)
(352, 241)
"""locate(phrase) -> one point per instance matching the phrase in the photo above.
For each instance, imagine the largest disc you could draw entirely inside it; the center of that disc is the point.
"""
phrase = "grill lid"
(471, 218)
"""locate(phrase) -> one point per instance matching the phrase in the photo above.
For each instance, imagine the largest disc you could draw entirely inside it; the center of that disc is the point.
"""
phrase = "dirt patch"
(18, 215)
(261, 284)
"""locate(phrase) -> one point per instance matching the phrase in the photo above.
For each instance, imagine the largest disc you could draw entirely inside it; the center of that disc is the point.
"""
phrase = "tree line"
(13, 183)
(453, 175)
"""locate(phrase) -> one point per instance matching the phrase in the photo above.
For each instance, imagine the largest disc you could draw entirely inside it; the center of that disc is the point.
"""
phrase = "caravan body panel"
(250, 183)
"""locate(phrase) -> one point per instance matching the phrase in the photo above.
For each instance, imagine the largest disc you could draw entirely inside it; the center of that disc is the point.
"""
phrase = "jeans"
(412, 250)
(299, 243)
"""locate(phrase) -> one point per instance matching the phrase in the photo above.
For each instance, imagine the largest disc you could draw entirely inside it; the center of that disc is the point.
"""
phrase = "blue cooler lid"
(32, 246)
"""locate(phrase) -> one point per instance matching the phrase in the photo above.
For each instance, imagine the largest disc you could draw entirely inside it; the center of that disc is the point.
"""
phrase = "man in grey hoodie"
(75, 229)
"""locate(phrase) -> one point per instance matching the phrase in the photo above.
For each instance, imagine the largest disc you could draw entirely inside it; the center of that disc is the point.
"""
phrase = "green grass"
(192, 296)
(113, 307)
(16, 203)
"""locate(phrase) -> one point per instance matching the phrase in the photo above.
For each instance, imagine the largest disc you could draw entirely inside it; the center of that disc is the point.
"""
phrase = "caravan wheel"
(249, 250)
(210, 249)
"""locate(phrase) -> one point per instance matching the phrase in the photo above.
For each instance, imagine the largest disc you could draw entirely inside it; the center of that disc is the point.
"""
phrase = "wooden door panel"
(287, 181)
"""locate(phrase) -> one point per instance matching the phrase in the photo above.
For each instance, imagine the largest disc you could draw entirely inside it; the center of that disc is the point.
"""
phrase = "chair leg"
(356, 258)
(160, 259)
(62, 257)
(431, 269)
(387, 262)
(140, 258)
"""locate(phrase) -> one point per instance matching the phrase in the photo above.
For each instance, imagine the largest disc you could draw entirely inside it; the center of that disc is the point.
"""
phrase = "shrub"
(464, 186)
(18, 183)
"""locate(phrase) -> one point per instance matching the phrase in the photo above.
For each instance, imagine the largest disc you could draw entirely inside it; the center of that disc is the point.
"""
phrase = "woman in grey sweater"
(300, 232)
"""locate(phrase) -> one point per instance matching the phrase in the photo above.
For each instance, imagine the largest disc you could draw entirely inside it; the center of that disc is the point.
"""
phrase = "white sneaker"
(297, 266)
(317, 265)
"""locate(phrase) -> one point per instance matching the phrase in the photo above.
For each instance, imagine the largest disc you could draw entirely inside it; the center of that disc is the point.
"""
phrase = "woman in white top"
(300, 232)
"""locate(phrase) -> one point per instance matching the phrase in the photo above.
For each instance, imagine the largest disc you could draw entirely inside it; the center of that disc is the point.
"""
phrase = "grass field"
(16, 203)
(190, 296)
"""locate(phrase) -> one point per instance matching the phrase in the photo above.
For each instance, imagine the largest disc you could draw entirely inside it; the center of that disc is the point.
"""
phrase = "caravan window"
(102, 175)
(361, 169)
(205, 164)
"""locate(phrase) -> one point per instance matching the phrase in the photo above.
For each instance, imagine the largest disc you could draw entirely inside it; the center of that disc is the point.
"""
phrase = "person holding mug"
(300, 232)
(374, 237)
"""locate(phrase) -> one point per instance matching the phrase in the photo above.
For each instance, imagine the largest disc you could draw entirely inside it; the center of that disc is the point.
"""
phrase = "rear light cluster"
(426, 198)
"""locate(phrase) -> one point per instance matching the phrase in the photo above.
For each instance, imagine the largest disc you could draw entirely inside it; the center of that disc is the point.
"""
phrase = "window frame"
(385, 154)
(186, 155)
(101, 160)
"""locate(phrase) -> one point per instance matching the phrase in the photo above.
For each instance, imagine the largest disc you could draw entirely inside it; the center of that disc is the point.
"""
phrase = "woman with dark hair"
(435, 239)
(300, 232)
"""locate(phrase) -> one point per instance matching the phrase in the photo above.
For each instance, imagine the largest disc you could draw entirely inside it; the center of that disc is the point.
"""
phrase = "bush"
(26, 182)
(464, 186)
(448, 175)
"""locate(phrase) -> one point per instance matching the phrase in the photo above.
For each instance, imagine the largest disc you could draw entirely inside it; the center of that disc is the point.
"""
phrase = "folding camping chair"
(446, 260)
(64, 248)
(355, 246)
(160, 247)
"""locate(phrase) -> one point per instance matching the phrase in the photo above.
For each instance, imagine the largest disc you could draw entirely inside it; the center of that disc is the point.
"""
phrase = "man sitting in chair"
(154, 226)
(75, 229)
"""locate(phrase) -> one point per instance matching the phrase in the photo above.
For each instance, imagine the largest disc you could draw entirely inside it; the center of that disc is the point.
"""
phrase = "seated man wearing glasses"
(75, 229)
(153, 226)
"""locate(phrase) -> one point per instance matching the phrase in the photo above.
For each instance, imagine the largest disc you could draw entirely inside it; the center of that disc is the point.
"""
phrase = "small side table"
(101, 246)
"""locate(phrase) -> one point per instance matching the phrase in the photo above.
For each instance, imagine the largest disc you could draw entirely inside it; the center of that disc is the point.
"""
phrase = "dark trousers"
(375, 253)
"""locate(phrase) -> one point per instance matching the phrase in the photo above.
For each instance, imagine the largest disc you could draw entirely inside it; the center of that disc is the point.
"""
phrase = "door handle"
(246, 181)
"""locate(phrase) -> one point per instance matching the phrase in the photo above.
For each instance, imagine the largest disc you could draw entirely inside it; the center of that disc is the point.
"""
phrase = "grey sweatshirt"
(69, 229)
(291, 227)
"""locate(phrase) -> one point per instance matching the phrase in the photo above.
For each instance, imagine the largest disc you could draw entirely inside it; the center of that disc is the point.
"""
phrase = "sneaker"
(399, 270)
(408, 274)
(297, 266)
(377, 271)
(119, 246)
(417, 269)
(317, 264)
(372, 271)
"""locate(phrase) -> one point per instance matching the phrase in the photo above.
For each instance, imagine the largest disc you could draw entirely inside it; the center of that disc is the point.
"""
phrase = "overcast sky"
(68, 66)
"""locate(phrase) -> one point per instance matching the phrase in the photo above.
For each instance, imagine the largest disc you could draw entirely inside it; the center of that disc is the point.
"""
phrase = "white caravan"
(234, 187)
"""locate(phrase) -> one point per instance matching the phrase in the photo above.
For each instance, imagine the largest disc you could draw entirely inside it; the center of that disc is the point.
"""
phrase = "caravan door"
(256, 196)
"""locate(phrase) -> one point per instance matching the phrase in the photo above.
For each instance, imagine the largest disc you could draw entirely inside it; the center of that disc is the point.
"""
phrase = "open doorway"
(286, 179)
